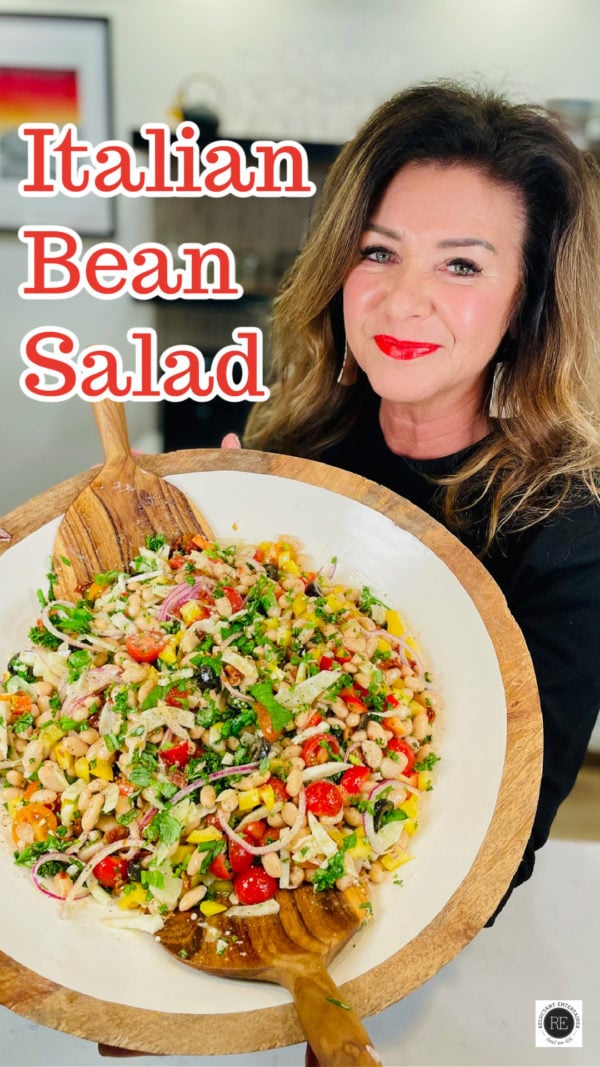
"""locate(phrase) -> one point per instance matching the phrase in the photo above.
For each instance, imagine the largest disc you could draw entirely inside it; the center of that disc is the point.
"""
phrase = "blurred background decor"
(52, 70)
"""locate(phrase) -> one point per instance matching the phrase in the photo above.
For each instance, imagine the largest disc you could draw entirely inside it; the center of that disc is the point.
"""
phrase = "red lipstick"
(396, 349)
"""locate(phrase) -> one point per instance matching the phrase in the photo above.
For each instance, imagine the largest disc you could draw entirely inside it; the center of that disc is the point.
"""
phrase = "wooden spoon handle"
(336, 1034)
(112, 426)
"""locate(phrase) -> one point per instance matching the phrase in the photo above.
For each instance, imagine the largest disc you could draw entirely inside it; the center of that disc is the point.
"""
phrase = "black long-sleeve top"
(550, 576)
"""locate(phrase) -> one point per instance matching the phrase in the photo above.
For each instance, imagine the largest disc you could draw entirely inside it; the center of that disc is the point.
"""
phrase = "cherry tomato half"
(278, 788)
(352, 781)
(254, 886)
(234, 598)
(33, 823)
(323, 798)
(255, 831)
(398, 744)
(220, 867)
(176, 756)
(176, 698)
(239, 857)
(320, 748)
(353, 702)
(111, 871)
(146, 645)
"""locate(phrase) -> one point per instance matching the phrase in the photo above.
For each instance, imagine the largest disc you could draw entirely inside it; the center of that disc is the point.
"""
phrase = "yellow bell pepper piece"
(100, 768)
(198, 837)
(64, 759)
(362, 848)
(299, 605)
(393, 860)
(181, 854)
(394, 623)
(410, 806)
(133, 899)
(210, 907)
(334, 602)
(14, 805)
(168, 656)
(410, 641)
(191, 611)
(287, 564)
(82, 768)
(410, 826)
(267, 795)
(424, 781)
(50, 736)
(248, 800)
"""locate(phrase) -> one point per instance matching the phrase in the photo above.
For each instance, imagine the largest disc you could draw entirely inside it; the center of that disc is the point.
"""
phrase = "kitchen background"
(310, 70)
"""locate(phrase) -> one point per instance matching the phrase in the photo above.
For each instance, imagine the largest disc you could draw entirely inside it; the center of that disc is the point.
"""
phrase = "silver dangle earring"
(349, 369)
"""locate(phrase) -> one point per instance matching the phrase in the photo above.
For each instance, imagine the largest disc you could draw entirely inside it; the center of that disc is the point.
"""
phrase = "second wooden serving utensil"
(290, 948)
(110, 519)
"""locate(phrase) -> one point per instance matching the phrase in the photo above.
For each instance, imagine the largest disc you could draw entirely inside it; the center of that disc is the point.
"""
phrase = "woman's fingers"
(231, 440)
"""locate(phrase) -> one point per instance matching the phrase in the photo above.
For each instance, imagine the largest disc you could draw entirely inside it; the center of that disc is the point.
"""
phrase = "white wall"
(308, 69)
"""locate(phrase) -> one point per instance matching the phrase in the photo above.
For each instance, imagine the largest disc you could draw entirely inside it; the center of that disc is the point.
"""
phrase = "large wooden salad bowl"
(463, 915)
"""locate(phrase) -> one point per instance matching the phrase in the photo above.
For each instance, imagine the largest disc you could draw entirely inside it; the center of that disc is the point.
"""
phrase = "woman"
(438, 334)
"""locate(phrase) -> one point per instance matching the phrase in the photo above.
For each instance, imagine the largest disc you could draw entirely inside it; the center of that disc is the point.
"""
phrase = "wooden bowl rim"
(80, 1015)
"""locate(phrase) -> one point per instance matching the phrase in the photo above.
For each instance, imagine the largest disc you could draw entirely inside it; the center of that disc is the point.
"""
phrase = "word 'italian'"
(57, 269)
(58, 370)
(55, 160)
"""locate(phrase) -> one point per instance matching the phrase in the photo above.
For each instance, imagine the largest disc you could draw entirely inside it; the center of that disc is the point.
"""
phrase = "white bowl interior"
(130, 968)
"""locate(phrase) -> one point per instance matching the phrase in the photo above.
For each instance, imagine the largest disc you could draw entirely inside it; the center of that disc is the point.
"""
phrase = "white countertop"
(479, 1010)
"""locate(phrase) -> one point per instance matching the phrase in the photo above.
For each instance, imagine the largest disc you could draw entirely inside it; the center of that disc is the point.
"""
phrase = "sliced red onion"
(49, 857)
(4, 535)
(70, 640)
(96, 680)
(368, 823)
(245, 768)
(237, 693)
(148, 816)
(178, 597)
(324, 770)
(275, 846)
(83, 876)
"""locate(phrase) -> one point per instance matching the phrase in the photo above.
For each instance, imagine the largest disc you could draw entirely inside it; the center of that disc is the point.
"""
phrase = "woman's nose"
(409, 292)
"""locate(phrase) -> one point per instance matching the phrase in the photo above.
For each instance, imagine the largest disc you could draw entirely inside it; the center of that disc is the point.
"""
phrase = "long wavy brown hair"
(544, 445)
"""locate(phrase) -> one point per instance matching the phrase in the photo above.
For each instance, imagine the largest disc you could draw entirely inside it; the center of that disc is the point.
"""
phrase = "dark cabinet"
(265, 234)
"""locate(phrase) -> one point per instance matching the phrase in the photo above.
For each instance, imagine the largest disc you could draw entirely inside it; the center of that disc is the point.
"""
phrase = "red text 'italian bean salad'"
(215, 725)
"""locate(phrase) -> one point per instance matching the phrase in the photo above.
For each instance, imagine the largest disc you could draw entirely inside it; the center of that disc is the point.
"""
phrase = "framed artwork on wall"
(53, 69)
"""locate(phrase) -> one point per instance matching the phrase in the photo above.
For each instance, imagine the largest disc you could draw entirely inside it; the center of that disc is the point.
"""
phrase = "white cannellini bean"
(88, 792)
(272, 864)
(375, 731)
(392, 769)
(228, 800)
(92, 813)
(420, 725)
(33, 754)
(74, 745)
(51, 777)
(372, 754)
(293, 784)
(193, 896)
(15, 777)
(43, 796)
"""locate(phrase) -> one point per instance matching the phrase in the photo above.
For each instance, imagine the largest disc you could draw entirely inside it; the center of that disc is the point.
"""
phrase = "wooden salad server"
(291, 949)
(109, 520)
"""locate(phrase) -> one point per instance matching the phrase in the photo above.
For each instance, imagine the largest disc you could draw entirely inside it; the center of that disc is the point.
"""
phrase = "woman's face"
(430, 300)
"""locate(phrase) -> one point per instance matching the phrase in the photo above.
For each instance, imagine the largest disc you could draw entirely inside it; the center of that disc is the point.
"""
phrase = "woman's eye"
(464, 268)
(377, 254)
